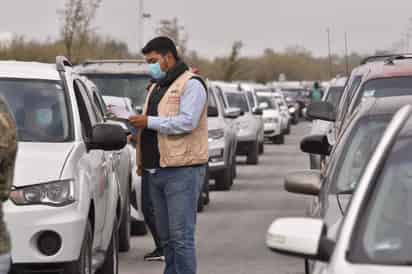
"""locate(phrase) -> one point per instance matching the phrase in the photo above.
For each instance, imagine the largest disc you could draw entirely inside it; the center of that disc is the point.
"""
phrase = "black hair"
(162, 45)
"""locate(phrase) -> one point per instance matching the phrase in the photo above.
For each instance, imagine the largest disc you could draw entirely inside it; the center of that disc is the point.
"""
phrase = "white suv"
(272, 120)
(64, 208)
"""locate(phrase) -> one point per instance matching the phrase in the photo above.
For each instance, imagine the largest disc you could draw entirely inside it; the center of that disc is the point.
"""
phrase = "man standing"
(8, 150)
(173, 151)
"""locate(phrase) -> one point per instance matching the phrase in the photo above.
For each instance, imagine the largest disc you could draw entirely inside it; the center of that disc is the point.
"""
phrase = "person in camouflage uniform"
(8, 150)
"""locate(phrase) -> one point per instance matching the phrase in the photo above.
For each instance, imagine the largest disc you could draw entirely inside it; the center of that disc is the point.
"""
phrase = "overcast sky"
(213, 25)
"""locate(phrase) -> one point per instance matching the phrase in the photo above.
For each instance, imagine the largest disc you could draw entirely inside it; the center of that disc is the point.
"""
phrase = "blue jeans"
(175, 192)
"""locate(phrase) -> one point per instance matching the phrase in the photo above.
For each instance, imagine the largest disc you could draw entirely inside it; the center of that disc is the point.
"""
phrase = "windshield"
(333, 96)
(383, 234)
(39, 108)
(122, 85)
(237, 100)
(358, 149)
(268, 100)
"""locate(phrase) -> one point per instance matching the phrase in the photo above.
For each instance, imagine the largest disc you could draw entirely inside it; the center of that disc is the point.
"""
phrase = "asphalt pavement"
(231, 231)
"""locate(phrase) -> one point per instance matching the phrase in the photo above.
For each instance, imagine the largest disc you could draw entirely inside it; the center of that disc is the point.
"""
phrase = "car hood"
(40, 162)
(268, 113)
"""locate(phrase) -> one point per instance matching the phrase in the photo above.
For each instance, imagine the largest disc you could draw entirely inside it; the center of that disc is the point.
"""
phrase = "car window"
(358, 148)
(99, 107)
(238, 100)
(85, 109)
(333, 96)
(220, 97)
(212, 100)
(40, 108)
(383, 233)
(122, 85)
(269, 100)
(251, 99)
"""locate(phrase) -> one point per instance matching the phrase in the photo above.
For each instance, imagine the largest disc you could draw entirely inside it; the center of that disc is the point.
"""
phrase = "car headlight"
(216, 134)
(59, 193)
(292, 110)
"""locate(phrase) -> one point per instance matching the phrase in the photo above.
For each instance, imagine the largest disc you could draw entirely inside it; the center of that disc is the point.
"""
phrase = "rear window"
(237, 100)
(122, 85)
(388, 87)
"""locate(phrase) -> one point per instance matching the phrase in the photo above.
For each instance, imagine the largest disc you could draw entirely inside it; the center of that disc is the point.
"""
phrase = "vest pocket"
(175, 146)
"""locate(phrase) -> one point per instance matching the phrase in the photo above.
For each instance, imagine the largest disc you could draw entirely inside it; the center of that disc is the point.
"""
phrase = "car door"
(97, 162)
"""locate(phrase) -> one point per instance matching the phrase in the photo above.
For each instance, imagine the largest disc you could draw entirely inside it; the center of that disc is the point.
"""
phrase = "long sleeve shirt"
(192, 103)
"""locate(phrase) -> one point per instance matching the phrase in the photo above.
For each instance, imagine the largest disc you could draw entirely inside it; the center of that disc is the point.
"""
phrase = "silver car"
(375, 236)
(222, 141)
(249, 133)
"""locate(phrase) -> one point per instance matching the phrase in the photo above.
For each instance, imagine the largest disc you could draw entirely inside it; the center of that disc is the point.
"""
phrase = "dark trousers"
(148, 210)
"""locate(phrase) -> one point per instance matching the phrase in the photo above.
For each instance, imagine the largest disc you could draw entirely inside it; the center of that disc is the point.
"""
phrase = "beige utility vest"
(184, 149)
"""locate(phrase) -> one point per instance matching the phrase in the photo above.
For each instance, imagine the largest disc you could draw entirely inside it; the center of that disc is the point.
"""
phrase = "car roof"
(28, 70)
(226, 87)
(396, 68)
(126, 66)
(383, 105)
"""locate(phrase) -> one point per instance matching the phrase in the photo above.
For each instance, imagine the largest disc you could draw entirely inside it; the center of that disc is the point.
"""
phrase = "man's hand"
(138, 121)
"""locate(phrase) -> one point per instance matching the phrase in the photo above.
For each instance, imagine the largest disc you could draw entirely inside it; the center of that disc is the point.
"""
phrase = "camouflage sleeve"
(8, 150)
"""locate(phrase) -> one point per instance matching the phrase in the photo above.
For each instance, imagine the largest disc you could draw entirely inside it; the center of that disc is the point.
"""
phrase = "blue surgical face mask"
(156, 71)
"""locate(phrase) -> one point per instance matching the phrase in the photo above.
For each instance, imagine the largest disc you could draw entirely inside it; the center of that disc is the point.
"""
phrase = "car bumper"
(216, 155)
(243, 147)
(27, 223)
(272, 129)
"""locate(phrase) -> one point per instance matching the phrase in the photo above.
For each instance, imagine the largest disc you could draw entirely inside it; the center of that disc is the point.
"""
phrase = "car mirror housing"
(316, 144)
(107, 137)
(308, 182)
(232, 113)
(212, 111)
(300, 237)
(321, 110)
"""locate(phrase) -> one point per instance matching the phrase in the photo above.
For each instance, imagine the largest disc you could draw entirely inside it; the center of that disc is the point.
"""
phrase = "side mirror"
(264, 105)
(300, 237)
(308, 182)
(212, 111)
(232, 113)
(257, 111)
(321, 110)
(138, 109)
(316, 144)
(107, 137)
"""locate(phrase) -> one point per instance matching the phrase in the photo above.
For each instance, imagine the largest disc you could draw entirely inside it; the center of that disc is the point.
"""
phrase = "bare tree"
(172, 29)
(77, 17)
(232, 63)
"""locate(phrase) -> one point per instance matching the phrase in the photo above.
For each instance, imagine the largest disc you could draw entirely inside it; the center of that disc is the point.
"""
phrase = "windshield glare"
(131, 86)
(237, 100)
(358, 149)
(384, 234)
(39, 108)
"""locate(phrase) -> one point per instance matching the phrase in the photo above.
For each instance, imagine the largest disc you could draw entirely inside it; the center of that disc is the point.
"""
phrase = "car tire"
(253, 155)
(138, 228)
(204, 194)
(261, 148)
(84, 264)
(224, 179)
(206, 188)
(111, 261)
(124, 229)
(279, 139)
(234, 167)
(287, 130)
